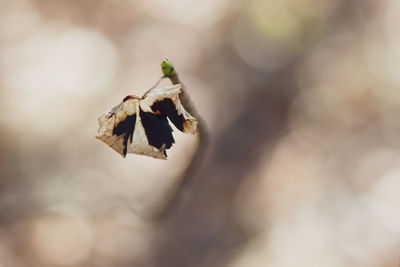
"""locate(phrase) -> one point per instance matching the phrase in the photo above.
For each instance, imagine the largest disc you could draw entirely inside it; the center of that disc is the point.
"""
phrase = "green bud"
(167, 68)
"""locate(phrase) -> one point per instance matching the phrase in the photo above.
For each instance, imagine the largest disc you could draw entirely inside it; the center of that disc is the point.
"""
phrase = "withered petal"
(140, 125)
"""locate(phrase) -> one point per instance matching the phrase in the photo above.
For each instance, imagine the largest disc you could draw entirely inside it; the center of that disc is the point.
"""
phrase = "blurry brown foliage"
(301, 102)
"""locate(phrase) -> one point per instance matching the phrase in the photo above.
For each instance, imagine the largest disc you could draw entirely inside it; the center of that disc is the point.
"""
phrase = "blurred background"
(301, 102)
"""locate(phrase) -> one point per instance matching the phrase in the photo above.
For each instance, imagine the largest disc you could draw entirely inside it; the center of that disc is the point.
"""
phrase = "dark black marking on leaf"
(167, 108)
(126, 98)
(126, 127)
(157, 130)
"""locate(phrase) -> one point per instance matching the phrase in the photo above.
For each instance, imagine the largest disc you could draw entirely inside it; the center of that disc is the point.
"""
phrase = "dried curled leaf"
(140, 125)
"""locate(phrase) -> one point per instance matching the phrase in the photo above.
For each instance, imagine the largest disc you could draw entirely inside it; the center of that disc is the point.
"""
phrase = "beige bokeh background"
(301, 100)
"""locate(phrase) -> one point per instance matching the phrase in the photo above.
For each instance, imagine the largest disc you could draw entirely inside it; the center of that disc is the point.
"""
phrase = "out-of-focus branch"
(197, 156)
(200, 227)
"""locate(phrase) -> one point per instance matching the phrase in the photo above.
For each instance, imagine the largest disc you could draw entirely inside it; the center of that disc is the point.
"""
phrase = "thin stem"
(154, 86)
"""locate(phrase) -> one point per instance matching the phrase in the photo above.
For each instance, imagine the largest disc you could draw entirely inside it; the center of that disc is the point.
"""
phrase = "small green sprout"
(167, 68)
